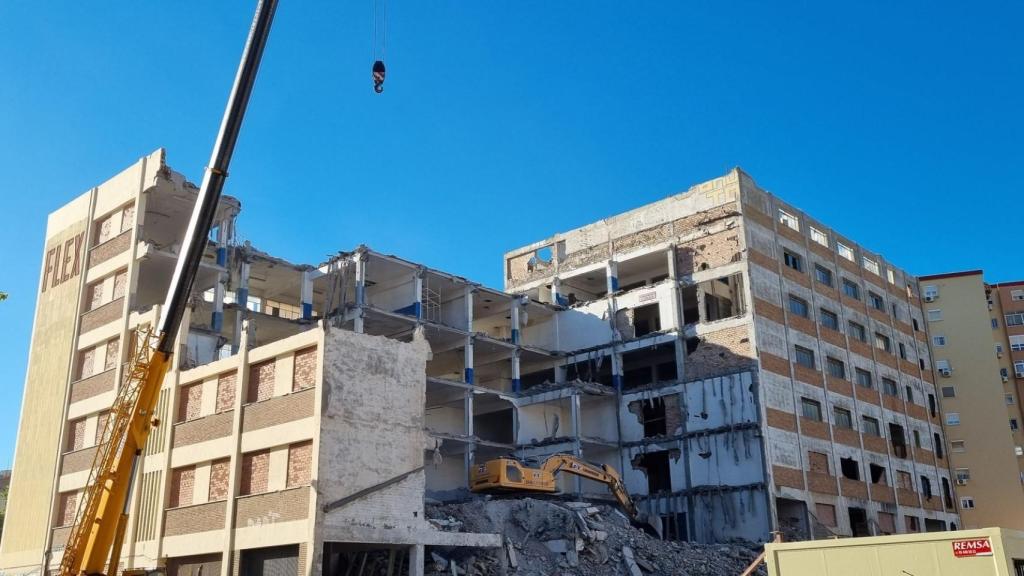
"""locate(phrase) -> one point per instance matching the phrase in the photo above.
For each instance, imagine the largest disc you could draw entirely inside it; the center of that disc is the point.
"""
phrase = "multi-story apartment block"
(977, 340)
(745, 367)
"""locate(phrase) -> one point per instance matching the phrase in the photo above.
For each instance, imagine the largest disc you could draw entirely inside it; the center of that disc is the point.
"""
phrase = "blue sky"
(501, 123)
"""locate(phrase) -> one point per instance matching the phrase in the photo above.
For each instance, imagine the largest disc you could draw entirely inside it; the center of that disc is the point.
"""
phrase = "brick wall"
(120, 284)
(101, 425)
(300, 463)
(67, 505)
(86, 363)
(76, 435)
(826, 514)
(192, 519)
(255, 471)
(113, 354)
(721, 352)
(77, 461)
(278, 410)
(304, 374)
(272, 507)
(708, 252)
(92, 386)
(109, 249)
(220, 471)
(226, 384)
(103, 315)
(183, 481)
(203, 429)
(190, 406)
(261, 381)
(94, 295)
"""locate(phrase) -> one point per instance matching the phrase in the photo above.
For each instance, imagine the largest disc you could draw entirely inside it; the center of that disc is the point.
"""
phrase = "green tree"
(3, 296)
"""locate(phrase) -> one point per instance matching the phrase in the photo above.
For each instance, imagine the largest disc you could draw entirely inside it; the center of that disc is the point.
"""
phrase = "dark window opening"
(898, 440)
(850, 468)
(649, 366)
(937, 440)
(654, 417)
(878, 474)
(645, 319)
(933, 408)
(591, 370)
(673, 527)
(794, 261)
(947, 494)
(926, 487)
(656, 466)
(914, 320)
(723, 298)
(537, 378)
(859, 522)
(903, 351)
(691, 309)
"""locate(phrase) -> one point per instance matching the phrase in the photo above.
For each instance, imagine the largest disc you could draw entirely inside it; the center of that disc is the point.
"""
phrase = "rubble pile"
(548, 537)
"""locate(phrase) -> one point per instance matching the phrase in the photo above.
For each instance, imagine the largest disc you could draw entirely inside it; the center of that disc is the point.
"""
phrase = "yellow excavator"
(510, 475)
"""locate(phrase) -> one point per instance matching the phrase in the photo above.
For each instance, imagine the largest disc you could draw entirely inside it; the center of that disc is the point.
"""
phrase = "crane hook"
(378, 76)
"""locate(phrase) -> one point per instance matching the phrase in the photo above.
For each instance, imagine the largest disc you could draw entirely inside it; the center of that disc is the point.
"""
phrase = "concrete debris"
(551, 537)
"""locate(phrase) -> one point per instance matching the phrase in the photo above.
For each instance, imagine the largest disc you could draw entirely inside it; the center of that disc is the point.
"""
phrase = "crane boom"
(99, 527)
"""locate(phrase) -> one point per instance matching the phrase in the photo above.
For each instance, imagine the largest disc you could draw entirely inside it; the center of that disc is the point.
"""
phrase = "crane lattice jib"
(124, 435)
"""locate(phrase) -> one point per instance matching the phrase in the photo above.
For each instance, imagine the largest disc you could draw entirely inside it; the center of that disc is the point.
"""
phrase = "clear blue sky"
(898, 123)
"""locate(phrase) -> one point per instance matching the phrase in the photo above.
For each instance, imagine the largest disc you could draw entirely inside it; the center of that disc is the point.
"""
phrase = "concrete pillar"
(418, 294)
(468, 375)
(223, 237)
(306, 294)
(616, 358)
(677, 312)
(242, 301)
(612, 273)
(468, 427)
(517, 305)
(577, 448)
(360, 259)
(556, 293)
(417, 557)
(517, 383)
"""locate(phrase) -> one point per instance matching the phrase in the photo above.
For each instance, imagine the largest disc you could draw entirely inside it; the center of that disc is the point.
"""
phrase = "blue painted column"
(306, 294)
(468, 375)
(517, 383)
(612, 273)
(242, 301)
(223, 237)
(360, 260)
(417, 286)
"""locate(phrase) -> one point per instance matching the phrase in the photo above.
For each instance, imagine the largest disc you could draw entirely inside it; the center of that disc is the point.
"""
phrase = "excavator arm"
(604, 474)
(100, 522)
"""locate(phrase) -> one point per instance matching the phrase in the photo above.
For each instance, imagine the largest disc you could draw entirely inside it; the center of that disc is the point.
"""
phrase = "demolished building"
(745, 368)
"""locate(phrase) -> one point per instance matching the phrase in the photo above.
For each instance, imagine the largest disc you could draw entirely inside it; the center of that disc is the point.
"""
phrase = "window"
(995, 323)
(1018, 369)
(219, 479)
(926, 487)
(939, 340)
(794, 261)
(910, 393)
(889, 387)
(1004, 372)
(864, 378)
(916, 326)
(789, 220)
(1015, 319)
(1016, 343)
(836, 368)
(1014, 426)
(844, 251)
(942, 365)
(937, 443)
(843, 418)
(917, 439)
(957, 446)
(876, 301)
(952, 418)
(935, 315)
(870, 426)
(1008, 398)
(948, 392)
(819, 236)
(999, 348)
(857, 331)
(829, 319)
(933, 407)
(810, 409)
(890, 276)
(851, 289)
(822, 275)
(870, 265)
(895, 311)
(966, 502)
(300, 463)
(1016, 295)
(804, 357)
(255, 467)
(931, 292)
(903, 351)
(798, 306)
(183, 482)
(962, 475)
(882, 342)
(191, 402)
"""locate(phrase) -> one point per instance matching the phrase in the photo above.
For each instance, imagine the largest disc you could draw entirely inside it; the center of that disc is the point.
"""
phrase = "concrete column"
(468, 375)
(517, 383)
(577, 448)
(417, 284)
(516, 307)
(556, 293)
(360, 259)
(306, 296)
(242, 301)
(223, 238)
(612, 272)
(616, 358)
(241, 385)
(468, 427)
(677, 310)
(417, 556)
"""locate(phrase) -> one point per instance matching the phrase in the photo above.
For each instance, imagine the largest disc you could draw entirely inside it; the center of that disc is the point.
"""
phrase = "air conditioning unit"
(1006, 378)
(961, 482)
(945, 372)
(929, 298)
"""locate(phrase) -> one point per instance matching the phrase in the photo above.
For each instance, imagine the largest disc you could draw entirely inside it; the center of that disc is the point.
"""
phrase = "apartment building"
(744, 366)
(977, 341)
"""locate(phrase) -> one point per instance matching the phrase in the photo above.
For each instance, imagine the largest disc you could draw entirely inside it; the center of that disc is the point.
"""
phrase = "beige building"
(977, 340)
(746, 367)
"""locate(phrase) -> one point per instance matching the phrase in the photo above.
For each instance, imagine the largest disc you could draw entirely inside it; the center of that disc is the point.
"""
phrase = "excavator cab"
(509, 475)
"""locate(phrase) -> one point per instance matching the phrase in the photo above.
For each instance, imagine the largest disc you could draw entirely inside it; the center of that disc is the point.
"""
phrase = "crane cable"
(379, 50)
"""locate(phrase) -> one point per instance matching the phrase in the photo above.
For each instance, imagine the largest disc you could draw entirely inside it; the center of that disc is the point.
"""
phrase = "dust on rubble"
(546, 537)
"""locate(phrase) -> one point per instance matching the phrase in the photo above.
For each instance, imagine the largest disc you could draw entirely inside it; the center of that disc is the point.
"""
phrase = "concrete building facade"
(977, 340)
(745, 367)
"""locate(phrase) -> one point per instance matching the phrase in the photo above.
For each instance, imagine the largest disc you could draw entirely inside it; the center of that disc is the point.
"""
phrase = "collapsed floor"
(546, 537)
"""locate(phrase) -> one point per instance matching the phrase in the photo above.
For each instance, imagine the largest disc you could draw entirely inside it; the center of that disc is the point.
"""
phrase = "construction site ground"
(552, 537)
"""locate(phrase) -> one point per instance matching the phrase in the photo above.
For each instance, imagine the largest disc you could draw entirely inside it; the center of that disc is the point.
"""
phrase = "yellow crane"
(98, 532)
(510, 475)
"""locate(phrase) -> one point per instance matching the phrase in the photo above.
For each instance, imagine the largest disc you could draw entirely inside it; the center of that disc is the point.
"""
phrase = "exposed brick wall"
(846, 436)
(278, 410)
(881, 493)
(103, 315)
(708, 252)
(191, 404)
(226, 384)
(67, 505)
(113, 356)
(101, 425)
(781, 420)
(790, 477)
(887, 522)
(818, 463)
(300, 463)
(92, 386)
(120, 284)
(255, 471)
(203, 429)
(721, 352)
(183, 481)
(77, 461)
(192, 519)
(95, 295)
(814, 428)
(768, 310)
(261, 381)
(304, 374)
(128, 217)
(205, 565)
(109, 249)
(86, 363)
(280, 506)
(220, 471)
(76, 435)
(875, 444)
(853, 488)
(826, 514)
(774, 364)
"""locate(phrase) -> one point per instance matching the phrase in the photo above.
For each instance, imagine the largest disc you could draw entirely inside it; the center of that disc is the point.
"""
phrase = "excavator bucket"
(649, 523)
